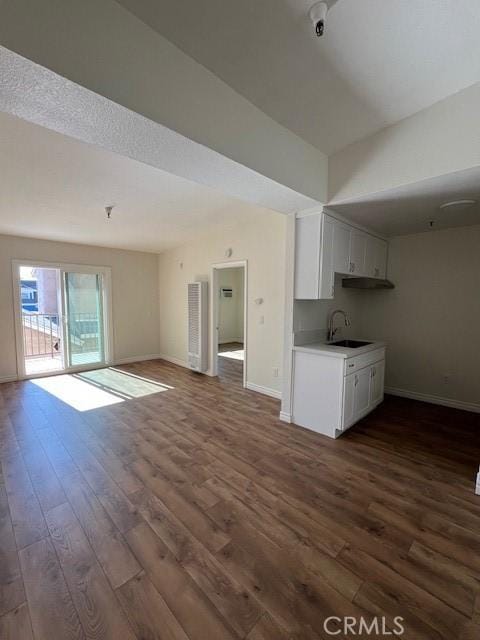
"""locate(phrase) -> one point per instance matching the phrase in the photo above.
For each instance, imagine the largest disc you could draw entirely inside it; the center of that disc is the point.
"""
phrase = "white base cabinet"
(330, 394)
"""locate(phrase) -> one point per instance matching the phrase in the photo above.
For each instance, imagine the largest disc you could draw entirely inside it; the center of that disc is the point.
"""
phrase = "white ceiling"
(41, 96)
(56, 188)
(409, 209)
(380, 60)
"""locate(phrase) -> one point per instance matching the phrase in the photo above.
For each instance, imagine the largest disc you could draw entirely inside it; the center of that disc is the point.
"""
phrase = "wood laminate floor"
(185, 510)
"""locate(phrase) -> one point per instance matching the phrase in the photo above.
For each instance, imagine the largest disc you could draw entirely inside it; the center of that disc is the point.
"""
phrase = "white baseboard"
(273, 393)
(8, 379)
(151, 356)
(285, 417)
(177, 361)
(425, 397)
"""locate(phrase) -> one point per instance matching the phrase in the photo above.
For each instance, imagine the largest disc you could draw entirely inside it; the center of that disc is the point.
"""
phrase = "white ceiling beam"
(40, 96)
(101, 47)
(440, 140)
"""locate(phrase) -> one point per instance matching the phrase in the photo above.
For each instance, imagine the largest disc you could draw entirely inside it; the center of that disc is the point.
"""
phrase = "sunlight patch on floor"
(122, 383)
(99, 388)
(78, 394)
(238, 354)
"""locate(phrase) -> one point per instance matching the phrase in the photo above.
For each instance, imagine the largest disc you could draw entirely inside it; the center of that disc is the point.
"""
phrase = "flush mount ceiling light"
(318, 15)
(457, 205)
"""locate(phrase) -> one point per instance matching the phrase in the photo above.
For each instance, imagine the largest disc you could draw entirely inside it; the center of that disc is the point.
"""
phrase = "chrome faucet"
(331, 330)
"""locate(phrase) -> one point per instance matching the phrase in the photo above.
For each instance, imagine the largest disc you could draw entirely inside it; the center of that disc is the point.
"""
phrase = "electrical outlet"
(275, 372)
(446, 378)
(262, 319)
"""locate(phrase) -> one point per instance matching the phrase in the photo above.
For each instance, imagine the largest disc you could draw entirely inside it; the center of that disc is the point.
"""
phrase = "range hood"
(366, 283)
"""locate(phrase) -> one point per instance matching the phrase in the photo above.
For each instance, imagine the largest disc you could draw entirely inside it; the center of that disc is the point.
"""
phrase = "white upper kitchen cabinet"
(324, 246)
(376, 258)
(381, 255)
(358, 252)
(341, 247)
(327, 274)
(314, 272)
(307, 257)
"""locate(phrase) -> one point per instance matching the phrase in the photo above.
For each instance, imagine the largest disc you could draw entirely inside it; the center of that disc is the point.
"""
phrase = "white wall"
(230, 310)
(262, 243)
(431, 320)
(312, 315)
(441, 139)
(134, 292)
(101, 46)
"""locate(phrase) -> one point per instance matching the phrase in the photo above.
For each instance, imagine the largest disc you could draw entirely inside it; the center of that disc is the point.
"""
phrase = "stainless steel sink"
(350, 344)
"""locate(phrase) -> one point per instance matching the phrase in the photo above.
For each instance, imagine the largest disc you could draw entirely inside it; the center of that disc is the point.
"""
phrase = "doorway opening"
(62, 318)
(229, 288)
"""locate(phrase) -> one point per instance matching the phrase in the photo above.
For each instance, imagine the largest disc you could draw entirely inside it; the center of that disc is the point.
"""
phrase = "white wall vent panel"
(197, 326)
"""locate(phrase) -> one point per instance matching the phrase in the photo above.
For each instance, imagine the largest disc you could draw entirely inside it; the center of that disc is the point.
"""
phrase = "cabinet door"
(348, 417)
(358, 248)
(341, 248)
(371, 257)
(381, 259)
(326, 285)
(307, 257)
(377, 383)
(362, 391)
(375, 257)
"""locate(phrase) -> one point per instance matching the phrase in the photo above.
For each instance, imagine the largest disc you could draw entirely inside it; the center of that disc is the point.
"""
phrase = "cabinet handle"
(351, 365)
(356, 380)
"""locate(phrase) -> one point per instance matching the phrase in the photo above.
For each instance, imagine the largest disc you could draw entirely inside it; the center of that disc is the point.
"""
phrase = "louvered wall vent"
(197, 326)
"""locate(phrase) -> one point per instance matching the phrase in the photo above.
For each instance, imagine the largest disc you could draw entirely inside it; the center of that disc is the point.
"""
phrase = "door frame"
(62, 267)
(214, 308)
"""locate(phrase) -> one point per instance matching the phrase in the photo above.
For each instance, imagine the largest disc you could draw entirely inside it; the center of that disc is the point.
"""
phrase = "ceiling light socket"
(318, 15)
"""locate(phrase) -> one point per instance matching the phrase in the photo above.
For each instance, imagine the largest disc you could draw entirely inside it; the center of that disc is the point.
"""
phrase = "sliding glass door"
(84, 318)
(63, 317)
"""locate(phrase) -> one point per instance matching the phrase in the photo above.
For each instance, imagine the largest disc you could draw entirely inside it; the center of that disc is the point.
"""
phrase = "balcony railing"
(42, 334)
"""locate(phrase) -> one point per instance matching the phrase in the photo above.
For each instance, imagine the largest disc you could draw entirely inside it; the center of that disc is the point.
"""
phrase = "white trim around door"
(63, 268)
(214, 314)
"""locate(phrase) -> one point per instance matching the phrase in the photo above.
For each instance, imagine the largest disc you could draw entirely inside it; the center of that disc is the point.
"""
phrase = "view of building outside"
(41, 334)
(39, 290)
(47, 291)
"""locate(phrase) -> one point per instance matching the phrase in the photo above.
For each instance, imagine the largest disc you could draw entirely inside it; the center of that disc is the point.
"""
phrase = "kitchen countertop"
(325, 349)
